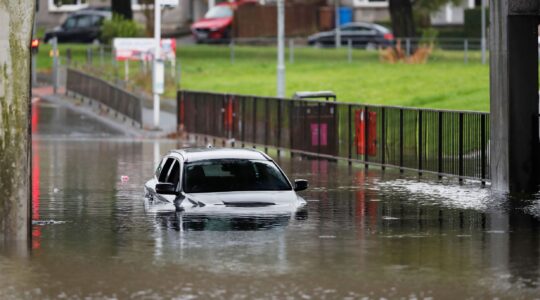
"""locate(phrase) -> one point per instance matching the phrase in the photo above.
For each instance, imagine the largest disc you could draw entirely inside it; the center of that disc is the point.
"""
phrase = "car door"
(83, 31)
(67, 30)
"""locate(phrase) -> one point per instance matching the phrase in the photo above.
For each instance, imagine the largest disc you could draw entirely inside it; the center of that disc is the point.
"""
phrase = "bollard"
(291, 51)
(231, 47)
(349, 51)
(466, 51)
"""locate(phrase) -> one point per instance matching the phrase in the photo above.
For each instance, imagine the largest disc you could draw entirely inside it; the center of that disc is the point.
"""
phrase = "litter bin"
(345, 15)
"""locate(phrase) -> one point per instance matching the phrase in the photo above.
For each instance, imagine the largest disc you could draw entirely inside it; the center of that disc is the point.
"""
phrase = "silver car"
(224, 181)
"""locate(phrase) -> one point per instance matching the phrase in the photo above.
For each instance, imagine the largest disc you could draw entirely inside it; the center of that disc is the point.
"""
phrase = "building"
(53, 12)
(377, 11)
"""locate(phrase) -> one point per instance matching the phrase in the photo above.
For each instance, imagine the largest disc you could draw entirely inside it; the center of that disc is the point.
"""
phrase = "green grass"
(444, 82)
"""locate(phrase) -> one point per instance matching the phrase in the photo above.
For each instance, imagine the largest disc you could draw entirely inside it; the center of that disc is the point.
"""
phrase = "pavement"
(167, 124)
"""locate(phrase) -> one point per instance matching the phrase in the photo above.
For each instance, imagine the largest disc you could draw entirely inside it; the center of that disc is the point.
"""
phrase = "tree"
(122, 8)
(403, 20)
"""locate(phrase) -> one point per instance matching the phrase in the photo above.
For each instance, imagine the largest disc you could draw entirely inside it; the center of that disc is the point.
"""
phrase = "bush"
(118, 26)
(473, 22)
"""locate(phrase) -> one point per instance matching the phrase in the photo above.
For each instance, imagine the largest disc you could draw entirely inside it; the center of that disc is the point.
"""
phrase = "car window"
(233, 175)
(164, 172)
(97, 20)
(70, 23)
(174, 173)
(220, 11)
(84, 21)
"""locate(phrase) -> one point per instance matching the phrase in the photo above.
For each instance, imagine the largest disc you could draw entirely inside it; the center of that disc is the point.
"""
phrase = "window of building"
(67, 5)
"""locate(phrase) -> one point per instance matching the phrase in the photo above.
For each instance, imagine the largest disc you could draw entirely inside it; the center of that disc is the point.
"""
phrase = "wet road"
(365, 233)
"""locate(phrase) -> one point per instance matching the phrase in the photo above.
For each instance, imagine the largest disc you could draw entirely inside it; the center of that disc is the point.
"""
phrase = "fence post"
(68, 57)
(401, 140)
(318, 128)
(254, 122)
(291, 134)
(383, 138)
(55, 64)
(483, 148)
(280, 101)
(89, 53)
(101, 55)
(349, 114)
(291, 50)
(466, 51)
(420, 141)
(440, 142)
(460, 148)
(366, 136)
(231, 47)
(266, 125)
(243, 122)
(349, 51)
(408, 47)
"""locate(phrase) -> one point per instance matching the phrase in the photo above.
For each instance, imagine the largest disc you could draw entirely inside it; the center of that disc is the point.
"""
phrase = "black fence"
(443, 142)
(103, 92)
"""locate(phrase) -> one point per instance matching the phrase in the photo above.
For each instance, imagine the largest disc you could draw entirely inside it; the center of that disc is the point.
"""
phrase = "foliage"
(473, 22)
(118, 26)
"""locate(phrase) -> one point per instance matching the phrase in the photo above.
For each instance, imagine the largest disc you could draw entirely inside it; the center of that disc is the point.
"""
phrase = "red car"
(216, 25)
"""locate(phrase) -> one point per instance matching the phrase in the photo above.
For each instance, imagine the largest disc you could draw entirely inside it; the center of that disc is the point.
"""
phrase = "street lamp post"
(157, 78)
(336, 21)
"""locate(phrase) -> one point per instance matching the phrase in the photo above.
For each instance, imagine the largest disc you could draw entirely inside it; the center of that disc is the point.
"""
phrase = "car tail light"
(34, 45)
(389, 37)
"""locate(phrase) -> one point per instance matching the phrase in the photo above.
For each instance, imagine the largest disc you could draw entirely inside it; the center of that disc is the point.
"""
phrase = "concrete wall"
(16, 19)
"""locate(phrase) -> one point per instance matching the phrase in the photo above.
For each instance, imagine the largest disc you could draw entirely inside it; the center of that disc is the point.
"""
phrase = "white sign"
(143, 49)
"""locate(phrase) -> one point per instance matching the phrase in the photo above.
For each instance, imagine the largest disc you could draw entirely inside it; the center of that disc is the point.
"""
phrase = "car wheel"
(318, 45)
(96, 42)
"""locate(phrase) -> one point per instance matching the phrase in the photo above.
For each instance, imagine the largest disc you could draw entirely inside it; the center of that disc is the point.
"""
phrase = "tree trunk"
(402, 18)
(122, 8)
(16, 20)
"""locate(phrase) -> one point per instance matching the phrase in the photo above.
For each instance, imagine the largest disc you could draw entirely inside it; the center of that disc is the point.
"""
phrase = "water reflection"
(364, 234)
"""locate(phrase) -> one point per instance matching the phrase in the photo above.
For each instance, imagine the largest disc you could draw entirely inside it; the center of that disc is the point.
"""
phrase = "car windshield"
(220, 11)
(233, 175)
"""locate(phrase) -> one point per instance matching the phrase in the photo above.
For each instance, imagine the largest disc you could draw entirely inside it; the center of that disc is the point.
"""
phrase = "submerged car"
(361, 35)
(224, 181)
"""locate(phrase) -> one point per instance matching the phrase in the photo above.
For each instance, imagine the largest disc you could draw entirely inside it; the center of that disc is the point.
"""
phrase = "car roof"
(96, 12)
(372, 25)
(198, 154)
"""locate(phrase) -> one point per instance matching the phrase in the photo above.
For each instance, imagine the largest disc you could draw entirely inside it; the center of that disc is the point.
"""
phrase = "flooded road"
(366, 233)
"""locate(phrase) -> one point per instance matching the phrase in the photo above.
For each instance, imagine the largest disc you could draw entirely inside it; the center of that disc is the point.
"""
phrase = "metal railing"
(111, 96)
(443, 142)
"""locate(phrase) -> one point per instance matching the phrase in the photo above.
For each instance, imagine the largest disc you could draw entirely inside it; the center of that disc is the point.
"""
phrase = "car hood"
(212, 23)
(259, 202)
(321, 34)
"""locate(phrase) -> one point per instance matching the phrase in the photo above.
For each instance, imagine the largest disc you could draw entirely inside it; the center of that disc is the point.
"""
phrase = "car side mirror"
(166, 189)
(300, 185)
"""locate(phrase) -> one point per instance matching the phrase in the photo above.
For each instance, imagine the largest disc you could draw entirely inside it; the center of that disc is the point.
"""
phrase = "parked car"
(224, 181)
(80, 27)
(363, 35)
(216, 26)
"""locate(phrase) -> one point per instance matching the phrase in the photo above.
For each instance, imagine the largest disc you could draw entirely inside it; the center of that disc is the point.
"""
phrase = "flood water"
(366, 233)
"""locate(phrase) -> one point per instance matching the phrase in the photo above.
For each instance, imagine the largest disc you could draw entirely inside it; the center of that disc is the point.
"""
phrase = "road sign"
(143, 49)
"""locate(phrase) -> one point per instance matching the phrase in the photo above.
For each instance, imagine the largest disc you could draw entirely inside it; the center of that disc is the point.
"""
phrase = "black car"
(80, 27)
(361, 35)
